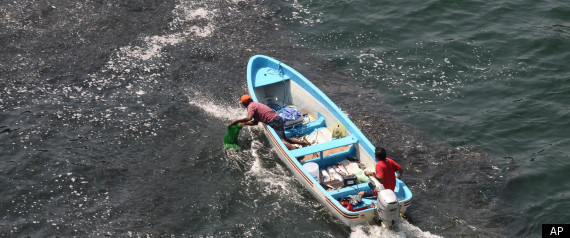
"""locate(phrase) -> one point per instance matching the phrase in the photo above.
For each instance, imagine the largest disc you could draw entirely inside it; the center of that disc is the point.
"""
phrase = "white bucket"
(313, 169)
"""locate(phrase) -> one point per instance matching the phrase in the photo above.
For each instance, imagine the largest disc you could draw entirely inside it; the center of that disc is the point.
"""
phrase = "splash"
(276, 180)
(407, 230)
(215, 109)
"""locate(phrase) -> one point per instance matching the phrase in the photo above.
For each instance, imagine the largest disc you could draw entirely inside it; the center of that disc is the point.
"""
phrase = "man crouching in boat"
(259, 112)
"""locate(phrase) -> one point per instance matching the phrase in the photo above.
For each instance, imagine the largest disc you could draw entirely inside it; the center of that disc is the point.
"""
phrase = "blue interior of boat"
(266, 76)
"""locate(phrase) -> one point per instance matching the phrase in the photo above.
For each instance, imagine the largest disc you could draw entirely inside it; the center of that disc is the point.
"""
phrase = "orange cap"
(245, 98)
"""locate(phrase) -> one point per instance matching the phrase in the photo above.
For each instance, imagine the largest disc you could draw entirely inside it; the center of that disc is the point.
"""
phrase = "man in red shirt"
(385, 169)
(259, 112)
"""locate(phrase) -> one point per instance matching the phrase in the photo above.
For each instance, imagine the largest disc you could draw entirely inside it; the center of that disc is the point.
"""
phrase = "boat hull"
(270, 82)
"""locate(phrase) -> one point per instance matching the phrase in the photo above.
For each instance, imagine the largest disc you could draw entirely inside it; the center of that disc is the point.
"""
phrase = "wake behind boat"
(332, 166)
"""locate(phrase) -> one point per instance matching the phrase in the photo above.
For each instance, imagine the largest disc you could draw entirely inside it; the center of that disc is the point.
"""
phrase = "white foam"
(216, 109)
(275, 179)
(153, 46)
(193, 19)
(407, 230)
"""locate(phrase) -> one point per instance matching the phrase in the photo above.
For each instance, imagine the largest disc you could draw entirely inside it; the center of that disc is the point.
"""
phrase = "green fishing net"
(231, 139)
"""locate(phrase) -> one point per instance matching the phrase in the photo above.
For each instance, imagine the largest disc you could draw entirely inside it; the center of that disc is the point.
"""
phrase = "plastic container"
(313, 169)
(362, 177)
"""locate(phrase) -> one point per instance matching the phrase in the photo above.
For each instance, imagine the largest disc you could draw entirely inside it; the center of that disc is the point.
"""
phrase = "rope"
(284, 84)
(369, 226)
(279, 72)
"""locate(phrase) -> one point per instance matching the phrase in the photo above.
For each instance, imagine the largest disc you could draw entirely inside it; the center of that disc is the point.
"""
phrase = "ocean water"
(113, 113)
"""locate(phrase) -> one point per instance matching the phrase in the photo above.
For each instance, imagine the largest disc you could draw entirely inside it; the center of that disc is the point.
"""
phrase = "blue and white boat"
(274, 83)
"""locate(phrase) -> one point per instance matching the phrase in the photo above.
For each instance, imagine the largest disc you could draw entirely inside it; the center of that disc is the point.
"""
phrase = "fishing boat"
(337, 140)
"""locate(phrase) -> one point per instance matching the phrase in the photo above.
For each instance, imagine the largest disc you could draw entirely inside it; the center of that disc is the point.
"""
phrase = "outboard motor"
(387, 207)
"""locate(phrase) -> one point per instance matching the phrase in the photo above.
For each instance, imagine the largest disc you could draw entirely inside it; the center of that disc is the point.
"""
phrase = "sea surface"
(113, 113)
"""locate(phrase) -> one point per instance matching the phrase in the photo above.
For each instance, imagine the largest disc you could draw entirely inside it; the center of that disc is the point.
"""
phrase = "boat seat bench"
(353, 190)
(349, 140)
(333, 158)
(350, 190)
